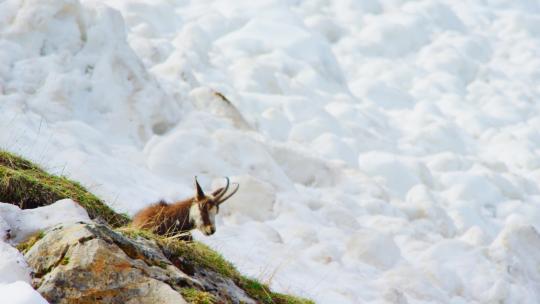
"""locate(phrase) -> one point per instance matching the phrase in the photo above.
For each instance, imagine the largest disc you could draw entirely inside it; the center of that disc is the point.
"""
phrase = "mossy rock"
(197, 255)
(26, 185)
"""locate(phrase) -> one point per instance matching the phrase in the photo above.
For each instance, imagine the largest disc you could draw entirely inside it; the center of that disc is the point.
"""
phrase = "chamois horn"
(221, 200)
(223, 190)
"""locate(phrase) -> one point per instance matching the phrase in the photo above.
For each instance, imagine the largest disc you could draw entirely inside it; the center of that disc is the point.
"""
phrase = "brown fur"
(161, 218)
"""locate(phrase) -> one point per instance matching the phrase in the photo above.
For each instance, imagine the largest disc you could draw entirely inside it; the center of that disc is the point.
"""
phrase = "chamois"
(197, 212)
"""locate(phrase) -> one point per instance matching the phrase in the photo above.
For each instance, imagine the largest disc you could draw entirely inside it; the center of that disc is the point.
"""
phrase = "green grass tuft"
(263, 294)
(65, 261)
(24, 184)
(195, 296)
(26, 245)
(201, 255)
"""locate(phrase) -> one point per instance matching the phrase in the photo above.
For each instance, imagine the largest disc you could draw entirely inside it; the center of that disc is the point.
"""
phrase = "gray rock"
(90, 263)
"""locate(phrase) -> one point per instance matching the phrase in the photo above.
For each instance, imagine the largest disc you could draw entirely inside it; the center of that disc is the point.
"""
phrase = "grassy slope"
(25, 184)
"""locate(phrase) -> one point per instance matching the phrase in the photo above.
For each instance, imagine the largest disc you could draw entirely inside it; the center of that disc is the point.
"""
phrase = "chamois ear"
(199, 194)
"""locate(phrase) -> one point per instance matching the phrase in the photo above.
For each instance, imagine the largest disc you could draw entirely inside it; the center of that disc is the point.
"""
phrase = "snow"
(13, 265)
(17, 225)
(386, 150)
(23, 223)
(20, 293)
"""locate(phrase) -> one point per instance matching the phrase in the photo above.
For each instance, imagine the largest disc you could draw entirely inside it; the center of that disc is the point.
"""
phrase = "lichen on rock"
(89, 263)
(83, 263)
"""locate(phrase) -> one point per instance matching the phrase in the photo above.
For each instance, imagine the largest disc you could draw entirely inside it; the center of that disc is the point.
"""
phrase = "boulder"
(91, 263)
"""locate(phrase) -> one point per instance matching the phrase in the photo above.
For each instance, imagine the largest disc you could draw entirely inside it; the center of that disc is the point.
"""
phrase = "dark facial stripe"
(204, 214)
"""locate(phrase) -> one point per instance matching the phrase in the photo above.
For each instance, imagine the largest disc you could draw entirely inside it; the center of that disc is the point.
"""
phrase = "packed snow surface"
(20, 293)
(387, 150)
(17, 225)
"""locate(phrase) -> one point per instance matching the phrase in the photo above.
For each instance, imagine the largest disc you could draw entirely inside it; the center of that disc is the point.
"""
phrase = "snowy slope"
(387, 150)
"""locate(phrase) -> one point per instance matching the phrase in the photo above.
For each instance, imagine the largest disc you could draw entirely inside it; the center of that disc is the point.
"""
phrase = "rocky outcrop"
(86, 262)
(91, 263)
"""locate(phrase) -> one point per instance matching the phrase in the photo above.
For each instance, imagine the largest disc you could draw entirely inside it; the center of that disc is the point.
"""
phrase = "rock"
(222, 287)
(90, 263)
(208, 100)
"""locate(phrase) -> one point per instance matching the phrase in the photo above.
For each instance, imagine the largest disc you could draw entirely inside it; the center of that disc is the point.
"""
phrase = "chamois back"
(165, 219)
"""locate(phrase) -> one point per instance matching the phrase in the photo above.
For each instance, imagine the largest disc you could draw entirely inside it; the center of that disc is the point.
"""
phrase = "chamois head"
(204, 207)
(197, 212)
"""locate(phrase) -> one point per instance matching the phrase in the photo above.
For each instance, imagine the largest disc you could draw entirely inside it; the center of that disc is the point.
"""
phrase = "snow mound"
(23, 223)
(13, 266)
(20, 293)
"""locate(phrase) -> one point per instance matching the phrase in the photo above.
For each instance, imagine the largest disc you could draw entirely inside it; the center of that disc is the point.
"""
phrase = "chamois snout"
(209, 230)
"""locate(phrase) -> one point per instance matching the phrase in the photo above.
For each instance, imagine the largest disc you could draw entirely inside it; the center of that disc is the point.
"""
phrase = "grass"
(202, 256)
(25, 184)
(198, 254)
(263, 294)
(195, 296)
(26, 245)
